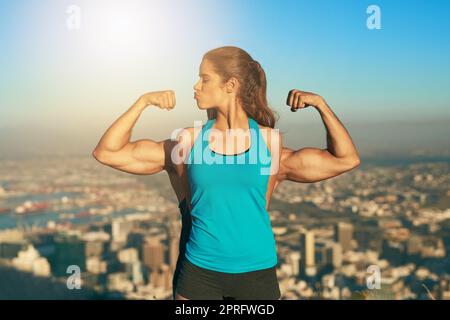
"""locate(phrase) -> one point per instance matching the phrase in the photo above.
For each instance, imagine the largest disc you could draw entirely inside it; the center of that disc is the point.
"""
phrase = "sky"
(55, 75)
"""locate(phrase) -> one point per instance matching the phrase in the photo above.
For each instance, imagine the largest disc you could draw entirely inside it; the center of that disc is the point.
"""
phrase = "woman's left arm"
(314, 164)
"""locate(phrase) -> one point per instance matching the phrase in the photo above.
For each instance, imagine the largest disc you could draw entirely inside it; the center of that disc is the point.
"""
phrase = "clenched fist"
(162, 99)
(301, 99)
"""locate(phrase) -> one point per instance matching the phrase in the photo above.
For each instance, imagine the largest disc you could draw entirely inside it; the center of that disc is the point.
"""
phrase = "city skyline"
(123, 231)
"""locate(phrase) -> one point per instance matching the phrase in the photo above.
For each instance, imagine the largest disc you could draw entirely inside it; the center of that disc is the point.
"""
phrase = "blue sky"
(326, 46)
(52, 76)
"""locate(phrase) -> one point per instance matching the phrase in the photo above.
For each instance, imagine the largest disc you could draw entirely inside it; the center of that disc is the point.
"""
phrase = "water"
(12, 220)
(8, 221)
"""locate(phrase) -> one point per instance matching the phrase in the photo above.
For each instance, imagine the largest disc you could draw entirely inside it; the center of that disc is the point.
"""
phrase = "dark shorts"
(196, 283)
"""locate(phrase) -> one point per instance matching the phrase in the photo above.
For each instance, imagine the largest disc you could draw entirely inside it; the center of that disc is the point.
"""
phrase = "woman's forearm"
(339, 142)
(119, 133)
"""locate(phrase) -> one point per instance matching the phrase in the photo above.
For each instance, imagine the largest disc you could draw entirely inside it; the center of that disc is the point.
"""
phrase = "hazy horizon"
(404, 138)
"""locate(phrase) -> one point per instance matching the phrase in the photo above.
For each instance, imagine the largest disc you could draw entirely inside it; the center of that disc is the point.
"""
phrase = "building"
(120, 229)
(128, 255)
(343, 234)
(153, 252)
(29, 260)
(173, 243)
(95, 265)
(294, 262)
(328, 255)
(307, 250)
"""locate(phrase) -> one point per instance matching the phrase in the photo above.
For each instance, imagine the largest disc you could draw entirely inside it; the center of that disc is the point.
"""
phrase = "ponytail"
(234, 62)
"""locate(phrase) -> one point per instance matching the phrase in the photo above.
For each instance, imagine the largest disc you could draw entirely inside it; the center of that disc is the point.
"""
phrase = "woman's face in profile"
(209, 91)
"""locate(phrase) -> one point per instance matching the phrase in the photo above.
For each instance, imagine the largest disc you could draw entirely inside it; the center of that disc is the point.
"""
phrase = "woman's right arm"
(143, 156)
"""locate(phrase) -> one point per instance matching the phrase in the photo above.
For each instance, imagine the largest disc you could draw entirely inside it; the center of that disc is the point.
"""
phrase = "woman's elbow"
(346, 164)
(99, 155)
(354, 162)
(357, 162)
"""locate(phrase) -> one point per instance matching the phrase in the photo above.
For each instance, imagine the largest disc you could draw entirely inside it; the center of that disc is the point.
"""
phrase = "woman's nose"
(197, 85)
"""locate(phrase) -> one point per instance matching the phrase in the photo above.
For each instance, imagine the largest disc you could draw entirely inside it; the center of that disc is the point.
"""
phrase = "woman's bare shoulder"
(273, 139)
(269, 133)
(188, 134)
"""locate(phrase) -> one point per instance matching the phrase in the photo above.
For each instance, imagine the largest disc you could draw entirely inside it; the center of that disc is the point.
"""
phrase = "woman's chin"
(201, 107)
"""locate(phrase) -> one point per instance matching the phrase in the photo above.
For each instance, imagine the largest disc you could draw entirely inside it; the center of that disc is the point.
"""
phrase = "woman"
(231, 251)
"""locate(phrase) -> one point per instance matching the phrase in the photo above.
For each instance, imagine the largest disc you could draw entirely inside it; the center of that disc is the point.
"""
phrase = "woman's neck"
(232, 118)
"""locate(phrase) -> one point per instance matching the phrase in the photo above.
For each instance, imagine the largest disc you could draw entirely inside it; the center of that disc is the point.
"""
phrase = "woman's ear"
(232, 85)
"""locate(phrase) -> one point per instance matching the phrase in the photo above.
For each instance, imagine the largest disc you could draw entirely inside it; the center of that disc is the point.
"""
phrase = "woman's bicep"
(312, 165)
(138, 157)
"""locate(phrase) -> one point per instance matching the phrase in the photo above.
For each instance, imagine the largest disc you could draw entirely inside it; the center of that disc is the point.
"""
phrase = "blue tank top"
(231, 230)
